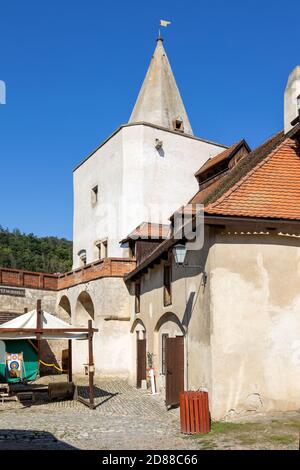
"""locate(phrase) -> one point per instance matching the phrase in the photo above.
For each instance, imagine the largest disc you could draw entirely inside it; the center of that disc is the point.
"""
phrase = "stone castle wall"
(95, 291)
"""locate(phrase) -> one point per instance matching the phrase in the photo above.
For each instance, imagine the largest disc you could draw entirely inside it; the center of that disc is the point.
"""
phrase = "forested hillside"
(46, 254)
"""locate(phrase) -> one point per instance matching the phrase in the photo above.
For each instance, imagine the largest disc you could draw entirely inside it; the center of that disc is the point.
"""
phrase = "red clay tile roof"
(264, 184)
(203, 194)
(209, 184)
(270, 190)
(243, 167)
(149, 230)
(226, 154)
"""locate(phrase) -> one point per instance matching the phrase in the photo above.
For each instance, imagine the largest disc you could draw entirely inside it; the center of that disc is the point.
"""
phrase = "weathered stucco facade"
(240, 326)
(11, 304)
(187, 315)
(255, 323)
(93, 300)
(95, 292)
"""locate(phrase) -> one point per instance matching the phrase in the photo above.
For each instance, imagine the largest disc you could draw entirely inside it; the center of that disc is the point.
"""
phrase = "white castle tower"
(292, 99)
(142, 172)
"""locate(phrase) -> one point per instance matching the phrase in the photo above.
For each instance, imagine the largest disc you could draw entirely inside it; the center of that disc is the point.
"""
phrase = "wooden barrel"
(61, 390)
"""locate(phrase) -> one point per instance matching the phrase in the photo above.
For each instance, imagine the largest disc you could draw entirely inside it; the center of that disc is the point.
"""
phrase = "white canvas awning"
(28, 321)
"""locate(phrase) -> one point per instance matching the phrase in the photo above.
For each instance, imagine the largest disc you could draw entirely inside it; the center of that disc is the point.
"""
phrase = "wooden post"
(91, 364)
(70, 374)
(39, 326)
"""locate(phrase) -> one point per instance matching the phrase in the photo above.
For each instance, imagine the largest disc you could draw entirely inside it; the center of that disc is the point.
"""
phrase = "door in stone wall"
(174, 369)
(141, 362)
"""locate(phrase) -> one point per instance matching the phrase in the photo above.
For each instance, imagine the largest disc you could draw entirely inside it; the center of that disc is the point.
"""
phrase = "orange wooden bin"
(194, 413)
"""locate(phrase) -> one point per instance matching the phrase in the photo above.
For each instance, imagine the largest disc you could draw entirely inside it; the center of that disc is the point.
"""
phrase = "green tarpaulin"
(30, 366)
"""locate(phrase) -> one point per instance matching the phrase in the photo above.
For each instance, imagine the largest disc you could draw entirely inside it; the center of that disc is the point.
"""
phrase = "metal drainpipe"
(187, 331)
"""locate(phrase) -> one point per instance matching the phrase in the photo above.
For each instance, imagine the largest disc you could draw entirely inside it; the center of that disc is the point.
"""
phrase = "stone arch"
(64, 309)
(84, 309)
(172, 320)
(138, 332)
(138, 325)
(168, 325)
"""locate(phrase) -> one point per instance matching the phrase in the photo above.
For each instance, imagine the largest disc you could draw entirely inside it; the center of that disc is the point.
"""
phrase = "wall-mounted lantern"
(179, 253)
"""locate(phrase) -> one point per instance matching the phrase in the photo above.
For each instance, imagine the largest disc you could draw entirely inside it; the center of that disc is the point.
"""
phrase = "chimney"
(292, 100)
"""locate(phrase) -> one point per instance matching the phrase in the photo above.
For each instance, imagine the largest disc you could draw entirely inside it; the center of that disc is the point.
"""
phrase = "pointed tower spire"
(159, 101)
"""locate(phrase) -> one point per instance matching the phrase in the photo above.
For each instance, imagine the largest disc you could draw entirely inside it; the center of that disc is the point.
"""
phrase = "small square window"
(104, 249)
(178, 124)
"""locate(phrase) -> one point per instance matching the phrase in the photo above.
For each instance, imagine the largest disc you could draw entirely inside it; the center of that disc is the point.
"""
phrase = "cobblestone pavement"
(125, 418)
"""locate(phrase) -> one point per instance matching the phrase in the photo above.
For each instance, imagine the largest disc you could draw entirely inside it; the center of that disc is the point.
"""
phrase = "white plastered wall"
(136, 183)
(255, 315)
(110, 300)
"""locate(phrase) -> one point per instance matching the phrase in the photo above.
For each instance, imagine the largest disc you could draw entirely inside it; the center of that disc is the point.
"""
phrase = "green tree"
(44, 254)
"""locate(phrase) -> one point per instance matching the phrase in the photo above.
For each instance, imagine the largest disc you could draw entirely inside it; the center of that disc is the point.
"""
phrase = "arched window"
(82, 257)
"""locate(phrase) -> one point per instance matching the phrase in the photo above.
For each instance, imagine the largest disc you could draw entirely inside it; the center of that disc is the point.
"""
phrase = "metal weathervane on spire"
(163, 23)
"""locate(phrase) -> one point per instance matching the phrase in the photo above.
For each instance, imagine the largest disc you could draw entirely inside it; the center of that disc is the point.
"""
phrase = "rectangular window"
(94, 195)
(178, 124)
(167, 285)
(163, 352)
(137, 292)
(102, 249)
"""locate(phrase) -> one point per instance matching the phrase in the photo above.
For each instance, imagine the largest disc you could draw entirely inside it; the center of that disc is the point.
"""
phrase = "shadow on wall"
(188, 310)
(196, 264)
(64, 309)
(19, 439)
(48, 356)
(84, 309)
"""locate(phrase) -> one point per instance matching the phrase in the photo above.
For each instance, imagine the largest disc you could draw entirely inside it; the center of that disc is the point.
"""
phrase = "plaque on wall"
(12, 291)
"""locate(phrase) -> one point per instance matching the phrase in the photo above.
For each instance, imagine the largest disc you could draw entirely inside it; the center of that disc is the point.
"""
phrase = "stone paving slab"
(125, 418)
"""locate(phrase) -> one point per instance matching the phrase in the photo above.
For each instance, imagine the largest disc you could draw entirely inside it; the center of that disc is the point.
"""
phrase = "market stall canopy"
(25, 327)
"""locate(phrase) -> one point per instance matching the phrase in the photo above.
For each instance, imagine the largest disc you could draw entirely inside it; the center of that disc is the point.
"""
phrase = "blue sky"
(73, 69)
